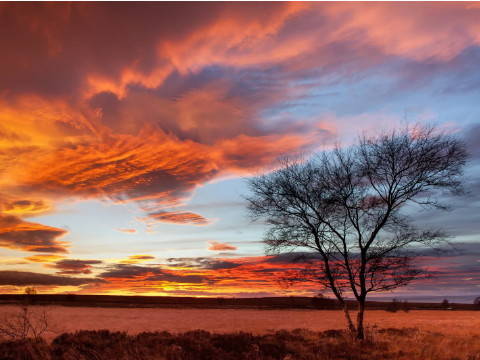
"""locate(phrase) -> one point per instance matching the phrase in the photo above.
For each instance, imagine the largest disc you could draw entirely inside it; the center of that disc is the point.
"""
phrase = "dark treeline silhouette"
(291, 302)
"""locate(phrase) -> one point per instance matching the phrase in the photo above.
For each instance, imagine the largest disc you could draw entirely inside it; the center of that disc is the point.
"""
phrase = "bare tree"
(346, 205)
(26, 322)
(30, 291)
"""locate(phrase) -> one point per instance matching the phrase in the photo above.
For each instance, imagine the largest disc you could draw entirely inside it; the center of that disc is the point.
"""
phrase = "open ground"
(135, 320)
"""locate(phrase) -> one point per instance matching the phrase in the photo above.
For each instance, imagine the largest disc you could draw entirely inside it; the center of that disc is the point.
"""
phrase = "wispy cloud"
(177, 217)
(135, 259)
(127, 230)
(217, 246)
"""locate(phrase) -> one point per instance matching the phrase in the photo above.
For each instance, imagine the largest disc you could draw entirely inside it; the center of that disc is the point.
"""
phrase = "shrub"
(382, 344)
(26, 349)
(394, 306)
(445, 304)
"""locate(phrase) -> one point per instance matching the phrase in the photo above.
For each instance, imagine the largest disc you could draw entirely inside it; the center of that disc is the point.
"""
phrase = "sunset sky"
(127, 132)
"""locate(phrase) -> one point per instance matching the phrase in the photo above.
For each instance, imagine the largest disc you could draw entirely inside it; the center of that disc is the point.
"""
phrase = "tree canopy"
(346, 205)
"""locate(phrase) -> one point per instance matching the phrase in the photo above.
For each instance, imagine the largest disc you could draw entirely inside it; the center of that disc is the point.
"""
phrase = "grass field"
(134, 320)
(94, 333)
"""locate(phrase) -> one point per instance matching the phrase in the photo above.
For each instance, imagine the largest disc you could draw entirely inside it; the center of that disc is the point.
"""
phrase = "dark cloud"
(453, 269)
(450, 249)
(24, 278)
(293, 257)
(127, 271)
(148, 273)
(44, 39)
(16, 233)
(137, 120)
(187, 279)
(134, 259)
(462, 218)
(220, 265)
(463, 214)
(75, 266)
(472, 137)
(203, 263)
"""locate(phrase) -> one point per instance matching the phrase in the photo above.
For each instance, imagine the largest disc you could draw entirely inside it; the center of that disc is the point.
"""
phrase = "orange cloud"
(28, 236)
(182, 99)
(44, 258)
(245, 276)
(231, 36)
(140, 145)
(128, 231)
(24, 208)
(183, 218)
(205, 276)
(217, 246)
(150, 165)
(135, 259)
(261, 39)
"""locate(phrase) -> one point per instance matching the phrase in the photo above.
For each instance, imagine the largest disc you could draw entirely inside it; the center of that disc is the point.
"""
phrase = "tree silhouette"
(346, 206)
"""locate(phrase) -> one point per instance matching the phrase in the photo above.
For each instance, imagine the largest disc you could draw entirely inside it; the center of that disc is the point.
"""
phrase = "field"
(181, 334)
(135, 320)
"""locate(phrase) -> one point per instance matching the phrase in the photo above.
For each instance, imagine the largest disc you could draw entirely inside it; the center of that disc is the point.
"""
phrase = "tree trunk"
(351, 327)
(360, 315)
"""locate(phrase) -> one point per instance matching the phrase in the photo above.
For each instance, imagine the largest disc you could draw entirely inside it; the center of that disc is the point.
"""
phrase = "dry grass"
(248, 335)
(382, 344)
(136, 320)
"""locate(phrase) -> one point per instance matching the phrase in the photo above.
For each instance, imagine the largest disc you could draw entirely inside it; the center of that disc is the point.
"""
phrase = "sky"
(128, 130)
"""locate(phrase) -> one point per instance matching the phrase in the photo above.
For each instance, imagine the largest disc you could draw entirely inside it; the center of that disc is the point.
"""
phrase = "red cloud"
(213, 277)
(135, 259)
(174, 39)
(182, 99)
(246, 276)
(151, 166)
(179, 217)
(216, 246)
(206, 276)
(421, 31)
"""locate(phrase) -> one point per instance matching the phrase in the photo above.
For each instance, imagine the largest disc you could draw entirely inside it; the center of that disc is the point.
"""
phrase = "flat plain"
(135, 320)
